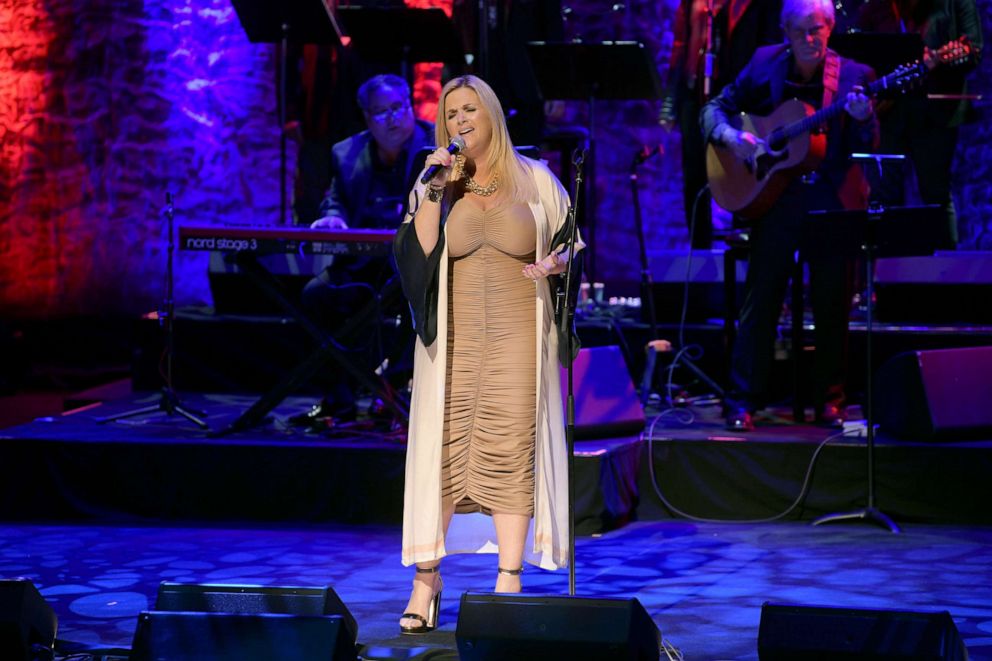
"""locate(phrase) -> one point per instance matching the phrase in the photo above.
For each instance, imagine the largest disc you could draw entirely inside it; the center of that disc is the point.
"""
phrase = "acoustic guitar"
(793, 142)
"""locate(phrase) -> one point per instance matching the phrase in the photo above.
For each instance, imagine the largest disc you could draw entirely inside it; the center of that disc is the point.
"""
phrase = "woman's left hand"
(550, 265)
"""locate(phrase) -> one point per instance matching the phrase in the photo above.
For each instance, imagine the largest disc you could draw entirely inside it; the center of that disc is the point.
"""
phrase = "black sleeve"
(731, 100)
(419, 278)
(566, 331)
(333, 203)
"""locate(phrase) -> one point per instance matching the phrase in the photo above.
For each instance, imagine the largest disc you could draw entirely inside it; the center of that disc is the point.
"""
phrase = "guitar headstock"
(954, 53)
(902, 79)
(908, 76)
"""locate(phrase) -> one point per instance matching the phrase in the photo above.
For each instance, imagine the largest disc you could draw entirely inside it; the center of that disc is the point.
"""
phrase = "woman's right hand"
(440, 156)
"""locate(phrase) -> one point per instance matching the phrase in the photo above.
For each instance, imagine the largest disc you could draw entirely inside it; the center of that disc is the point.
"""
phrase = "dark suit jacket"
(760, 88)
(351, 171)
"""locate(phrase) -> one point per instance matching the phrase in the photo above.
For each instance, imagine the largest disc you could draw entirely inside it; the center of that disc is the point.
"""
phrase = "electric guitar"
(793, 142)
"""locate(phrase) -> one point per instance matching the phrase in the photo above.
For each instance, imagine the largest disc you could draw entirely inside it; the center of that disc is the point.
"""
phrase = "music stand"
(330, 348)
(607, 70)
(306, 22)
(401, 34)
(869, 234)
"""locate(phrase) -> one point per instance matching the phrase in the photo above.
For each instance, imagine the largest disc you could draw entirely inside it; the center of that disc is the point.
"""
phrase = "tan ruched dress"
(489, 414)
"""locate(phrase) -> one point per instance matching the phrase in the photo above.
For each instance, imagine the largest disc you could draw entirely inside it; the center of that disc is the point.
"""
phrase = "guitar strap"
(831, 77)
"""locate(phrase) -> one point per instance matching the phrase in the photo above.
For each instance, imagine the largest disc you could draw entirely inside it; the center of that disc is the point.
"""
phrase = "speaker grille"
(803, 633)
(492, 627)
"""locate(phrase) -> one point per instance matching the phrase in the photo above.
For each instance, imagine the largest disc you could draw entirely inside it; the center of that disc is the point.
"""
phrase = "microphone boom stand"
(566, 306)
(168, 401)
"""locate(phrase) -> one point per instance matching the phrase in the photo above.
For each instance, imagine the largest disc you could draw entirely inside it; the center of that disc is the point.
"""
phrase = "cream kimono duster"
(423, 538)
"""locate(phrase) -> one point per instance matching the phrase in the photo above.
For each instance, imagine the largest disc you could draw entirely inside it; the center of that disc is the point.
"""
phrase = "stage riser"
(270, 481)
(359, 483)
(940, 483)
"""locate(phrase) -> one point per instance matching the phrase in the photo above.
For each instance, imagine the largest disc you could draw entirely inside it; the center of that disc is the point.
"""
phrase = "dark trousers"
(774, 242)
(694, 173)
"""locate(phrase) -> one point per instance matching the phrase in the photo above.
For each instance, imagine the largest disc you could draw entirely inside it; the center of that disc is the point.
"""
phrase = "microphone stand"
(484, 25)
(283, 55)
(708, 56)
(566, 308)
(169, 401)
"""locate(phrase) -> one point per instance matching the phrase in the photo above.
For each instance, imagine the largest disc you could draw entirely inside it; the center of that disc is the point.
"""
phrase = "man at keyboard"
(371, 174)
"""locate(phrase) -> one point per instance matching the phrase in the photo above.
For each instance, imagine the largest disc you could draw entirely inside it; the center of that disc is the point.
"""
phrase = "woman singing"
(486, 434)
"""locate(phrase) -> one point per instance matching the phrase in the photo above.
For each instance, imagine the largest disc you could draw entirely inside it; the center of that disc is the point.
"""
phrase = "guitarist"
(804, 68)
(926, 129)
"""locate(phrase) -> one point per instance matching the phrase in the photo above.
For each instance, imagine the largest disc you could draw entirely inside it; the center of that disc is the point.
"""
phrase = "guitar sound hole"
(776, 141)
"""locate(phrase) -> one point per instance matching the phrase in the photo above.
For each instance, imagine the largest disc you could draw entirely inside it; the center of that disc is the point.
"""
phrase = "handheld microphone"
(457, 144)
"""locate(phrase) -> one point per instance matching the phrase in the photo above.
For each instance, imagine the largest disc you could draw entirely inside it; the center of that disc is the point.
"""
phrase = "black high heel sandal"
(428, 623)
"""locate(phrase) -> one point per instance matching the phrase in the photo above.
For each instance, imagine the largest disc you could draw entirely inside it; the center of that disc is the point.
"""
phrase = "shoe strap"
(414, 616)
(510, 572)
(429, 570)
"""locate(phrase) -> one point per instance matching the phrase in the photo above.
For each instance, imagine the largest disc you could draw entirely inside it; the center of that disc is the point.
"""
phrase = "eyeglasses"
(396, 111)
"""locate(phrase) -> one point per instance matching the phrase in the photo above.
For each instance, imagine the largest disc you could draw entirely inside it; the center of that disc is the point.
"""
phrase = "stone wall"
(107, 105)
(973, 165)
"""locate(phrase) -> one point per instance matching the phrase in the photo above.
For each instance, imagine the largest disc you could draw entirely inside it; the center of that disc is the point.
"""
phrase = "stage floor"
(703, 584)
(153, 498)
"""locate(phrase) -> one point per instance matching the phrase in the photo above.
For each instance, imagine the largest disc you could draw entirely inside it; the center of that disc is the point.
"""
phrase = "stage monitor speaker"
(498, 627)
(939, 395)
(185, 636)
(27, 623)
(307, 602)
(805, 633)
(606, 403)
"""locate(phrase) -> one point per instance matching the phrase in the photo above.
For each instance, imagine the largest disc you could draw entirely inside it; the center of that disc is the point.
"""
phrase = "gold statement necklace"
(473, 187)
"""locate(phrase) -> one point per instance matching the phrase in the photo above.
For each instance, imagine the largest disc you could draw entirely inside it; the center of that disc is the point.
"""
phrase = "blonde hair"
(503, 161)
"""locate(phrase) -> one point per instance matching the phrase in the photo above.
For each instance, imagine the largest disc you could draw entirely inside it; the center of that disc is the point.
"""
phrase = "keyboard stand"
(327, 350)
